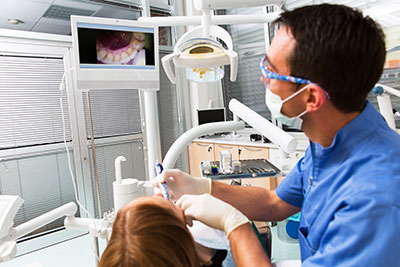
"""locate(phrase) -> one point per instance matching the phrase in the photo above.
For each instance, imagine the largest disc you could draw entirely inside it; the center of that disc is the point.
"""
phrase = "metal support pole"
(96, 173)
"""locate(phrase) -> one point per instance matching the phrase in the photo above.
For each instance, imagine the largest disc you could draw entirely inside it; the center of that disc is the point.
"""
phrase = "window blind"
(168, 113)
(249, 43)
(29, 101)
(30, 119)
(114, 112)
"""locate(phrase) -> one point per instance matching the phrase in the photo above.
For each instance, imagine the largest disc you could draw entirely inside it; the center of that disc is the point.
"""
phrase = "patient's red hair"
(147, 234)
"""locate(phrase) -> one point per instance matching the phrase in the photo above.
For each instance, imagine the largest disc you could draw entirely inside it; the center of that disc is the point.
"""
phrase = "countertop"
(242, 138)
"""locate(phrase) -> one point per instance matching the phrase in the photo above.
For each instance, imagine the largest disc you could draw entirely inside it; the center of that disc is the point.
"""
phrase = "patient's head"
(150, 231)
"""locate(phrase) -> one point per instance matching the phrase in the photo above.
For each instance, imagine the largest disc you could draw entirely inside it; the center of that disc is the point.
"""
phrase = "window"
(117, 131)
(33, 160)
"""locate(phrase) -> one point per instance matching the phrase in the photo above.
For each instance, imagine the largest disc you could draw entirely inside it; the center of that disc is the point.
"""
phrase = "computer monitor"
(115, 54)
(210, 115)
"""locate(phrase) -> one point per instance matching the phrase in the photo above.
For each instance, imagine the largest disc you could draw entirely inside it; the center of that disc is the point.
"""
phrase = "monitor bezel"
(114, 78)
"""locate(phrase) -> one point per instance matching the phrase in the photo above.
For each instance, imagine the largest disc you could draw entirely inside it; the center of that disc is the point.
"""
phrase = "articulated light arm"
(223, 4)
(209, 128)
(97, 228)
(385, 105)
(68, 209)
(215, 20)
(8, 243)
(388, 89)
(287, 142)
(204, 5)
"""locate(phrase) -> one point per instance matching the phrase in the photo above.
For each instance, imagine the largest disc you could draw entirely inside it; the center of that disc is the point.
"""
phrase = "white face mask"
(274, 103)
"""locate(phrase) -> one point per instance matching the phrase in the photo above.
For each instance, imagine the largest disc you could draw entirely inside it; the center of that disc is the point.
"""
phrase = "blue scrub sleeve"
(362, 233)
(290, 189)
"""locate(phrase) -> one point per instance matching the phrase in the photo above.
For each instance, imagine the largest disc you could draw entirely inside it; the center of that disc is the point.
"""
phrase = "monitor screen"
(211, 115)
(123, 46)
(115, 54)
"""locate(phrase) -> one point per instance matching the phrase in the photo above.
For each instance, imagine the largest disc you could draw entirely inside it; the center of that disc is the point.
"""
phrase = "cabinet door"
(231, 148)
(251, 152)
(201, 151)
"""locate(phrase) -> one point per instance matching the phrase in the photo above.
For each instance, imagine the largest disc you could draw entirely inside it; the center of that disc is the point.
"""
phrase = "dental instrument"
(163, 186)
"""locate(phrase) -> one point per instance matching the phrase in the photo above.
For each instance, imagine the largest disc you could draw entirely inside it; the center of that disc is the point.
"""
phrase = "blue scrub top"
(351, 209)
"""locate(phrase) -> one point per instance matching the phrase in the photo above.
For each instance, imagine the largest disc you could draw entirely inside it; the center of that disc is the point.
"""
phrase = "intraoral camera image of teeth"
(114, 47)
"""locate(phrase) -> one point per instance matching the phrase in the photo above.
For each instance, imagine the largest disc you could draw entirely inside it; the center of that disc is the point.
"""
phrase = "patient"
(150, 231)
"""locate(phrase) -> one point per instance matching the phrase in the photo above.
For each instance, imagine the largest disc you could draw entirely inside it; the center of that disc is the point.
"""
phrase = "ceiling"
(385, 12)
(51, 16)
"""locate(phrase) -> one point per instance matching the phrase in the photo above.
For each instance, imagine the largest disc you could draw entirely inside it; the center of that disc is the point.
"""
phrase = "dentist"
(318, 71)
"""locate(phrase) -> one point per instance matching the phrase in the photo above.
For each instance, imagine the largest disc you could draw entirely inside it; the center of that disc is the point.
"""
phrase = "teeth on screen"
(120, 57)
(124, 55)
(139, 36)
(138, 44)
(101, 54)
(109, 57)
(117, 58)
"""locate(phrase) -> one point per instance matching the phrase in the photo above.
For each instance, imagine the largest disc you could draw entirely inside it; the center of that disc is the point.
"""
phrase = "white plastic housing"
(9, 208)
(118, 171)
(68, 209)
(228, 57)
(114, 76)
(125, 191)
(386, 109)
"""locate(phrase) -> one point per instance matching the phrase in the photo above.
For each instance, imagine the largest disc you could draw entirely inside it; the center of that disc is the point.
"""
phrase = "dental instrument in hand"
(163, 186)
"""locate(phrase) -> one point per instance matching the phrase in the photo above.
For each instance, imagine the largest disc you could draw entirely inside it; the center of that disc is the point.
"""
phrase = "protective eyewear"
(273, 75)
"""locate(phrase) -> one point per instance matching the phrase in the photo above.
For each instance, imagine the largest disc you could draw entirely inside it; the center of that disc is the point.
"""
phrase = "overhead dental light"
(199, 50)
(202, 57)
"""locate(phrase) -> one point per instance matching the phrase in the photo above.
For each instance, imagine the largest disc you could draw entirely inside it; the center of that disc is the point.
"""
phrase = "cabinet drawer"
(252, 152)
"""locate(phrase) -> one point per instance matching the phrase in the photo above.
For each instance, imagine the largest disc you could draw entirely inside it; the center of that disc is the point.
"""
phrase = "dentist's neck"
(322, 125)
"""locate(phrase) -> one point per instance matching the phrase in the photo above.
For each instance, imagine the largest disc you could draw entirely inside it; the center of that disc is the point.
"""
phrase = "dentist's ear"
(263, 80)
(316, 97)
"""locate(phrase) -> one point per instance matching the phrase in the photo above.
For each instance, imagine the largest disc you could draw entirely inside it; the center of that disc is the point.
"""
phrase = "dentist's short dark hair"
(337, 48)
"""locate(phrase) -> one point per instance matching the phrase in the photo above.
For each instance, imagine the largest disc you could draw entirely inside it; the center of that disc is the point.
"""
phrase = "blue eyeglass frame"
(273, 75)
(287, 78)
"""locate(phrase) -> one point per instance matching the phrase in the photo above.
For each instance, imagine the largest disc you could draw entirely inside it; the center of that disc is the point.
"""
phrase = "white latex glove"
(180, 183)
(212, 212)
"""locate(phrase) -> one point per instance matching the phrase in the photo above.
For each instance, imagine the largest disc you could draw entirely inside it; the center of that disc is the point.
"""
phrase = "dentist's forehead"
(281, 49)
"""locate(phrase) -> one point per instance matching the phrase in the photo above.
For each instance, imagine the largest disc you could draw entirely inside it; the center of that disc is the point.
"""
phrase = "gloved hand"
(180, 183)
(211, 211)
